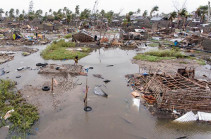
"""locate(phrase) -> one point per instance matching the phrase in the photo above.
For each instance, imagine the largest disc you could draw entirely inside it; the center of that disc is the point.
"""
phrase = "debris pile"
(83, 36)
(173, 92)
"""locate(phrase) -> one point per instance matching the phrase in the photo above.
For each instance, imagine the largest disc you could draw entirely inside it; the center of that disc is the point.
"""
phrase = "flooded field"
(113, 117)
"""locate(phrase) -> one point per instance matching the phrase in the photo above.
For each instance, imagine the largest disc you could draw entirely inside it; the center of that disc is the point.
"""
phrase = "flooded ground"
(113, 117)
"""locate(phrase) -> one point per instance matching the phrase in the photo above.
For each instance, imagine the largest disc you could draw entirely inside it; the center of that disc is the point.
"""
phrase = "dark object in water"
(21, 68)
(100, 92)
(18, 76)
(46, 88)
(110, 65)
(2, 72)
(41, 64)
(183, 137)
(87, 109)
(107, 81)
(98, 76)
(91, 68)
(192, 55)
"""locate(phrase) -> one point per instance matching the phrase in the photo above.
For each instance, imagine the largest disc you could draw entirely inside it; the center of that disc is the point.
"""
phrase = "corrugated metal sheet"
(188, 117)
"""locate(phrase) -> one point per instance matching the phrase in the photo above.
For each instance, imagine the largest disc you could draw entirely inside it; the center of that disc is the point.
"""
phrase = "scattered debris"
(107, 81)
(100, 92)
(46, 88)
(8, 114)
(87, 109)
(98, 76)
(188, 117)
(135, 94)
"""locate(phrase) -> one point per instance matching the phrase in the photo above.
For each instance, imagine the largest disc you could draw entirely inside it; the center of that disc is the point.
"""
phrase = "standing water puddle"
(114, 117)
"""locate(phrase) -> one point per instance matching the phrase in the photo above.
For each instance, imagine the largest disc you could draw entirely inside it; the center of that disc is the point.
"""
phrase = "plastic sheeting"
(136, 102)
(188, 117)
(203, 116)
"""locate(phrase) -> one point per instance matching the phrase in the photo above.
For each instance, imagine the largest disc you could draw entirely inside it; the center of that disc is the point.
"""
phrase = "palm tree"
(50, 11)
(201, 12)
(154, 9)
(11, 13)
(172, 16)
(39, 13)
(138, 11)
(77, 12)
(109, 15)
(102, 13)
(17, 12)
(6, 13)
(23, 12)
(1, 12)
(85, 14)
(145, 13)
(183, 14)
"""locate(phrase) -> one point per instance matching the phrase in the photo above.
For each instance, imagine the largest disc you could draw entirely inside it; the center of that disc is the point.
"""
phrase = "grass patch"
(154, 44)
(68, 36)
(24, 115)
(151, 58)
(168, 42)
(198, 61)
(166, 53)
(155, 56)
(58, 51)
(201, 61)
(183, 62)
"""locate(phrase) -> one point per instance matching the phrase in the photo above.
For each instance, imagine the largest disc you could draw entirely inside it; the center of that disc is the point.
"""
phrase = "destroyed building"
(180, 93)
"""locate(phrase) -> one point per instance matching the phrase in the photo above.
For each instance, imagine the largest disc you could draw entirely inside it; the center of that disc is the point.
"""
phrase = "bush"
(68, 36)
(24, 114)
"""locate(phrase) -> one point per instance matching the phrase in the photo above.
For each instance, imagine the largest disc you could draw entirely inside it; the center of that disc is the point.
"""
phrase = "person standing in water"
(76, 60)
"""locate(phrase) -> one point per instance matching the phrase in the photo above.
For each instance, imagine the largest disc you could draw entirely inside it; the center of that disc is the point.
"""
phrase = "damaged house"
(180, 93)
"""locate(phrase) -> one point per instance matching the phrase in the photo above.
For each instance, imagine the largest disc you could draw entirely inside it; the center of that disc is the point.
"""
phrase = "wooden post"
(139, 69)
(52, 85)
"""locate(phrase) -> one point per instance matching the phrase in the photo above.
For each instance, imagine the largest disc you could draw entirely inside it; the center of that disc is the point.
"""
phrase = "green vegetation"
(154, 44)
(58, 51)
(183, 62)
(24, 115)
(155, 56)
(68, 36)
(166, 53)
(201, 61)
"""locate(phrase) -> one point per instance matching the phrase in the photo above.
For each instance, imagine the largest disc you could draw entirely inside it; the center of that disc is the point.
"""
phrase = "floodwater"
(115, 117)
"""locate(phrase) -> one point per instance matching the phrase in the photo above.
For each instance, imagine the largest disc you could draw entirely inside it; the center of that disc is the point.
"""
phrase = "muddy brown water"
(114, 117)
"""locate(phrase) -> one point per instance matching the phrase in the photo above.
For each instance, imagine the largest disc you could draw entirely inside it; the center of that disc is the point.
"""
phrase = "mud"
(61, 69)
(5, 58)
(18, 48)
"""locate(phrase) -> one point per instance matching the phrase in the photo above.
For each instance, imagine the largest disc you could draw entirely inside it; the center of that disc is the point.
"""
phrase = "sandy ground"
(18, 48)
(171, 67)
(49, 100)
(5, 58)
